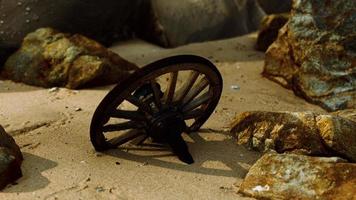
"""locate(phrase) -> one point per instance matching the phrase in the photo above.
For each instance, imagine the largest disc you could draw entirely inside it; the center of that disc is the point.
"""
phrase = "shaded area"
(32, 179)
(224, 151)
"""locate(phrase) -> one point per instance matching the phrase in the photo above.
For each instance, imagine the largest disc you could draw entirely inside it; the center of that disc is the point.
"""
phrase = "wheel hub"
(168, 123)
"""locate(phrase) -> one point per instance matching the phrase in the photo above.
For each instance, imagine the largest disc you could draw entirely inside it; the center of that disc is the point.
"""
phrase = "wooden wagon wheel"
(161, 100)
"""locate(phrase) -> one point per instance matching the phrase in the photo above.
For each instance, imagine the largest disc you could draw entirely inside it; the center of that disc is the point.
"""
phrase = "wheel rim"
(192, 89)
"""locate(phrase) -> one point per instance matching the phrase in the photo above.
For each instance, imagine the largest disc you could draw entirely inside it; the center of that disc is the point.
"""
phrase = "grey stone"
(174, 23)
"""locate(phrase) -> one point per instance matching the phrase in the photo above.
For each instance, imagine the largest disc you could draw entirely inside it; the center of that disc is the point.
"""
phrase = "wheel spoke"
(187, 86)
(122, 126)
(125, 114)
(193, 114)
(142, 140)
(197, 102)
(130, 135)
(156, 93)
(200, 86)
(142, 106)
(169, 93)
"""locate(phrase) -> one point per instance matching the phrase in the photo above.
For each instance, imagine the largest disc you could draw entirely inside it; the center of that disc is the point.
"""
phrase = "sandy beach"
(52, 129)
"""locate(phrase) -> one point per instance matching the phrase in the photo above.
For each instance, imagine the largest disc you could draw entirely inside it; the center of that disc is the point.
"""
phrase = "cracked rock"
(315, 54)
(298, 132)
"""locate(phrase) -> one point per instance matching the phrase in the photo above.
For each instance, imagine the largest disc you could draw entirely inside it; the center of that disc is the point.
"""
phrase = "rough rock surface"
(10, 159)
(348, 113)
(289, 176)
(49, 58)
(104, 22)
(315, 53)
(174, 23)
(299, 132)
(270, 26)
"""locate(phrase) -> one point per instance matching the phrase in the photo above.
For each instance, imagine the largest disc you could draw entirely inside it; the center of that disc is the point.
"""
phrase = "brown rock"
(270, 25)
(48, 58)
(10, 159)
(290, 176)
(348, 113)
(299, 132)
(315, 53)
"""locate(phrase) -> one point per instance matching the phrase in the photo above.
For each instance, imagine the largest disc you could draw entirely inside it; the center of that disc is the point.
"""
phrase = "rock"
(49, 58)
(174, 23)
(298, 132)
(315, 53)
(268, 33)
(289, 176)
(275, 6)
(348, 113)
(10, 159)
(104, 22)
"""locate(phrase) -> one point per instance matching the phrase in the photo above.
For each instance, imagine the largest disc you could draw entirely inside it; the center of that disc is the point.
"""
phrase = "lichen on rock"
(49, 58)
(290, 176)
(315, 53)
(298, 132)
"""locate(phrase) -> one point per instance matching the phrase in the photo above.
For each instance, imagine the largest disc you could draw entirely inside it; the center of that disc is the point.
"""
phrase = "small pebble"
(98, 154)
(143, 164)
(78, 109)
(117, 163)
(54, 89)
(99, 189)
(235, 87)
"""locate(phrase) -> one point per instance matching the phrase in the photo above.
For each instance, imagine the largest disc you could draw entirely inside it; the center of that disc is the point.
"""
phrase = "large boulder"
(315, 53)
(104, 21)
(269, 29)
(10, 159)
(174, 23)
(289, 176)
(298, 132)
(49, 58)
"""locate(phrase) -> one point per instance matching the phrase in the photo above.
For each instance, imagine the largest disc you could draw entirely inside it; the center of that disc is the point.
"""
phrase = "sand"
(52, 129)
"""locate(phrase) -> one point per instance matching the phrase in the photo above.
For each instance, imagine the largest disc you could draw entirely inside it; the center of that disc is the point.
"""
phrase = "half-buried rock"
(10, 159)
(48, 58)
(298, 132)
(290, 176)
